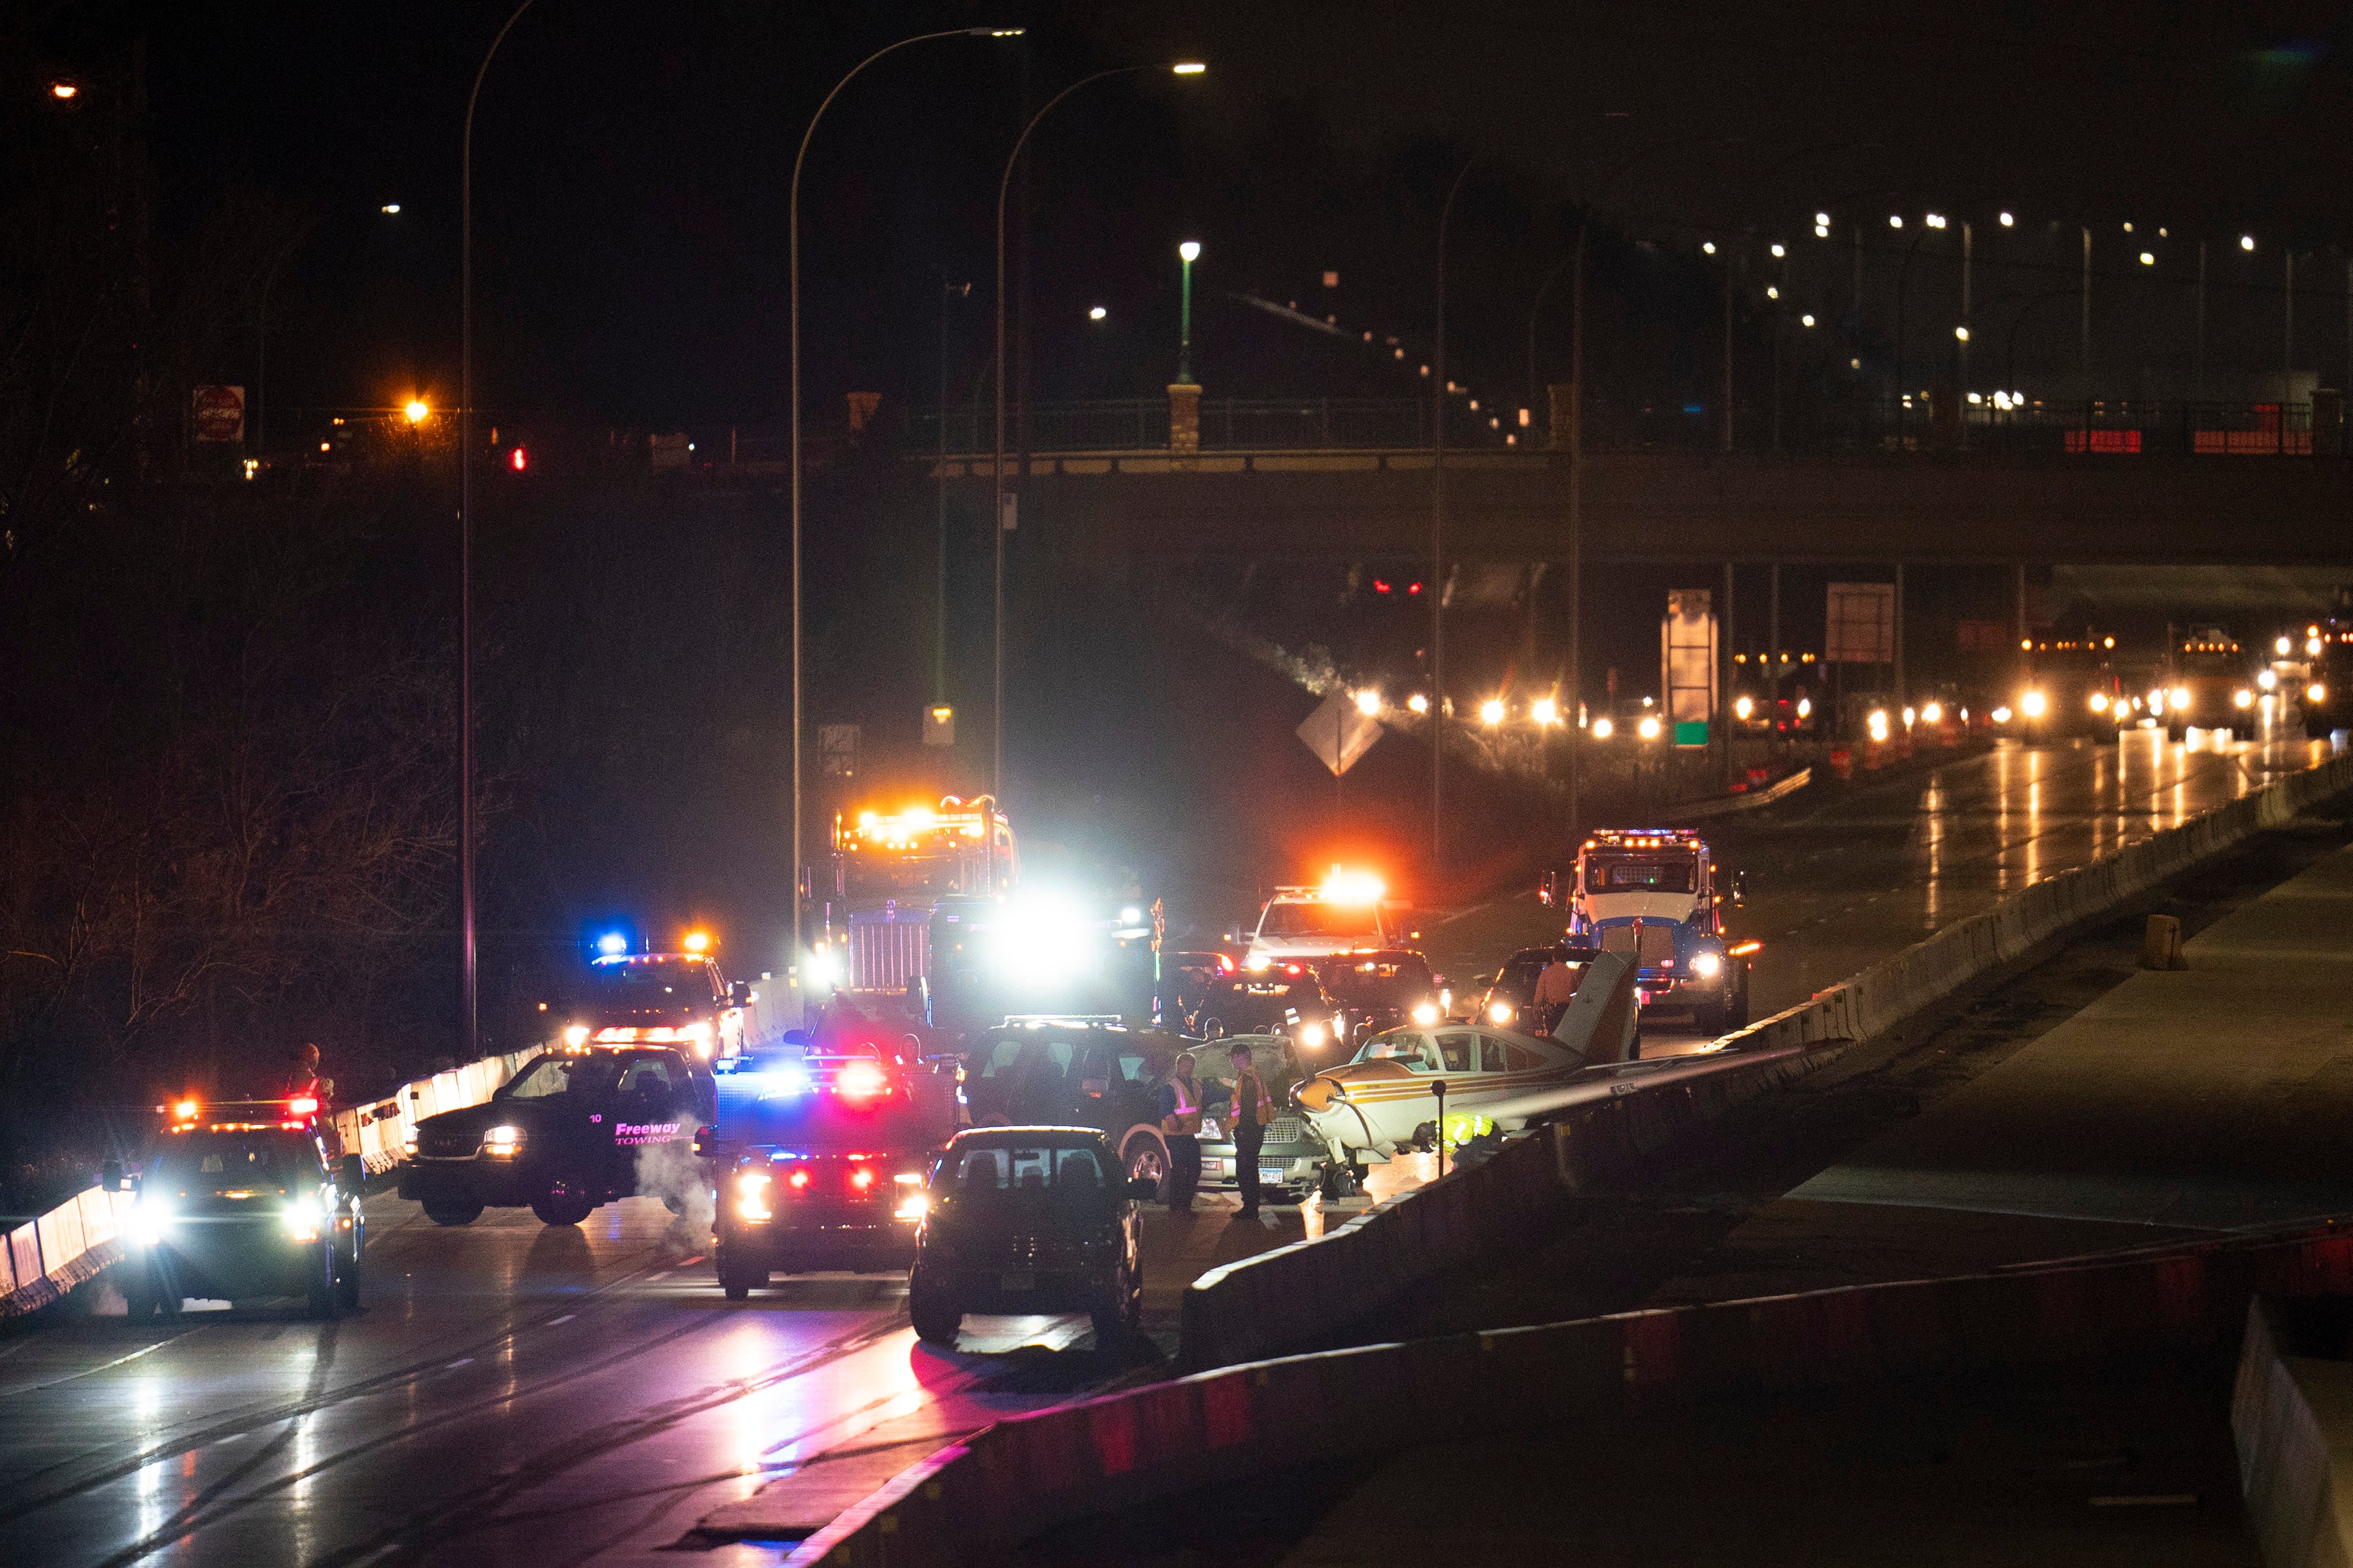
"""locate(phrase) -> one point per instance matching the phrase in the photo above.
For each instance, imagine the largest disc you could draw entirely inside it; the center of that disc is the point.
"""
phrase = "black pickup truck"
(572, 1130)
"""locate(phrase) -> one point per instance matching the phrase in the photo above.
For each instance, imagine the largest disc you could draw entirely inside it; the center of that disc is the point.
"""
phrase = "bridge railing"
(2096, 426)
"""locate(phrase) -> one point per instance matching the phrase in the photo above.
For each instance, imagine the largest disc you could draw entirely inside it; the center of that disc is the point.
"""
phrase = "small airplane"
(1387, 1097)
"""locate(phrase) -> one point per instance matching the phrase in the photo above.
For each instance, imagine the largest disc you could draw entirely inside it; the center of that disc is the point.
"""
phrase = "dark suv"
(572, 1130)
(1029, 1219)
(245, 1208)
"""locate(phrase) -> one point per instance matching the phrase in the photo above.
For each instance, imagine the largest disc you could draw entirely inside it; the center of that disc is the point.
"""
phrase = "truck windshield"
(552, 1076)
(646, 987)
(217, 1163)
(1640, 874)
(1316, 918)
(917, 879)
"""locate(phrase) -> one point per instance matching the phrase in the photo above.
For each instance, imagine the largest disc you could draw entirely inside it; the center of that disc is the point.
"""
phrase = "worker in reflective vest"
(1180, 1126)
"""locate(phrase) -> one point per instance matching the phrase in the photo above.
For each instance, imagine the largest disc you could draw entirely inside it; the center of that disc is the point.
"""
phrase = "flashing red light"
(1380, 587)
(1413, 588)
(303, 1105)
(1291, 968)
(860, 1080)
(861, 1178)
(518, 460)
(798, 1179)
(1225, 963)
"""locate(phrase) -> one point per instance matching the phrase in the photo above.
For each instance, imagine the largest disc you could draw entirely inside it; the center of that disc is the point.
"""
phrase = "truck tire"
(347, 1286)
(737, 1278)
(567, 1201)
(936, 1315)
(453, 1212)
(322, 1299)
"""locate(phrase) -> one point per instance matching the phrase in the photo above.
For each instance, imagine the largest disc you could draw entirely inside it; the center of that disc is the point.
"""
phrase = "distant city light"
(1368, 702)
(1771, 292)
(2127, 228)
(1545, 711)
(1709, 246)
(62, 90)
(1780, 249)
(1523, 418)
(2246, 242)
(1896, 220)
(1189, 68)
(1805, 320)
(1962, 333)
(1822, 220)
(1097, 313)
(1934, 220)
(1190, 250)
(2007, 220)
(416, 411)
(392, 209)
(1491, 711)
(1417, 703)
(2148, 258)
(1822, 231)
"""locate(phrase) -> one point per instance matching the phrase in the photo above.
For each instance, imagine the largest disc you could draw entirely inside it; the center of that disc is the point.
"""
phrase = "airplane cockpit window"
(1458, 1048)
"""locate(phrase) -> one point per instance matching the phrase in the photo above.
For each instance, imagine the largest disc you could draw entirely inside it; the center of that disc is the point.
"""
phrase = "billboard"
(1687, 664)
(1862, 623)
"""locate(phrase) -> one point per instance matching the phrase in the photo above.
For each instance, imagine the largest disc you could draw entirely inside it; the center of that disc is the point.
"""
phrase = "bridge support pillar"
(1185, 416)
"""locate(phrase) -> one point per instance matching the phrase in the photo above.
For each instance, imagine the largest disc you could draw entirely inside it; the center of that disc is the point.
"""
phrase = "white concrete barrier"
(49, 1255)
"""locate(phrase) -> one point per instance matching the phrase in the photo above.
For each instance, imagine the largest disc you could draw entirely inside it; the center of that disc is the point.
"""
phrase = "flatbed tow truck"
(1658, 896)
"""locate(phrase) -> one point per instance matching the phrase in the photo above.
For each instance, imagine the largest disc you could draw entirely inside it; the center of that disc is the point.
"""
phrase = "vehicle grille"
(1658, 943)
(1286, 1130)
(446, 1145)
(888, 953)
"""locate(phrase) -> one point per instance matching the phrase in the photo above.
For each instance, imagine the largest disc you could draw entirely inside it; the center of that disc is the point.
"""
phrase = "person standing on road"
(1180, 1124)
(1555, 988)
(1252, 1109)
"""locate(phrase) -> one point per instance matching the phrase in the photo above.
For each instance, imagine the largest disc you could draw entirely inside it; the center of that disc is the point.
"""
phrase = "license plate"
(1022, 1279)
(1269, 1173)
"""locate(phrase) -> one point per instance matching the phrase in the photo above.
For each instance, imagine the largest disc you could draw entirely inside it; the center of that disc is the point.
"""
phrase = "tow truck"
(2206, 684)
(818, 1158)
(1657, 895)
(575, 1129)
(2072, 689)
(890, 871)
(659, 998)
(243, 1202)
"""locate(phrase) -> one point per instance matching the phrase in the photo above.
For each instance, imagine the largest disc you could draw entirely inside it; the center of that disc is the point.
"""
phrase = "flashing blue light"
(1695, 408)
(612, 944)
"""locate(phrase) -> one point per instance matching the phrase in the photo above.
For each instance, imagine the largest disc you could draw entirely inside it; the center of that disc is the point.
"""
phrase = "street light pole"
(467, 967)
(948, 291)
(792, 245)
(1438, 541)
(997, 466)
(1187, 254)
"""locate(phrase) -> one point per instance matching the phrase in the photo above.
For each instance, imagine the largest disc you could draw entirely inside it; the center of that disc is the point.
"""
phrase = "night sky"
(632, 164)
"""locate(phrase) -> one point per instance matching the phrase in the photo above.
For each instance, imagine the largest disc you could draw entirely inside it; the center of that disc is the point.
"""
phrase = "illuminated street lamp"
(416, 411)
(1368, 702)
(1491, 712)
(1417, 703)
(1649, 728)
(64, 90)
(1187, 253)
(1545, 711)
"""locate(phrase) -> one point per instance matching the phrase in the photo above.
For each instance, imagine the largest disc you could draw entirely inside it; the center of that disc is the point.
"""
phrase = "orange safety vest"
(1186, 1119)
(1261, 1104)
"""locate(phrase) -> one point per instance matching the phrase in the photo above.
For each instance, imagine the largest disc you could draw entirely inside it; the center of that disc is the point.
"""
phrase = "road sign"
(1687, 664)
(939, 725)
(1338, 733)
(837, 750)
(1862, 623)
(217, 413)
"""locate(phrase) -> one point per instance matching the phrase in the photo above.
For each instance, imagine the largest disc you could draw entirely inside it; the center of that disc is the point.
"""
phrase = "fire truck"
(891, 870)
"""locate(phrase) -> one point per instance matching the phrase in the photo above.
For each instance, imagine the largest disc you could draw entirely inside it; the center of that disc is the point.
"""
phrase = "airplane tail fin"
(1598, 1022)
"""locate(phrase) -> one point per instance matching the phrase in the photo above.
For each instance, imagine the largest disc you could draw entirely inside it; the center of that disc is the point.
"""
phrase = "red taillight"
(1225, 963)
(518, 460)
(861, 1178)
(303, 1106)
(1291, 968)
(798, 1179)
(1380, 587)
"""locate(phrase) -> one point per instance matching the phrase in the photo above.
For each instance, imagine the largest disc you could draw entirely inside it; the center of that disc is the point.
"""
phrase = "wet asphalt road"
(1835, 887)
(512, 1393)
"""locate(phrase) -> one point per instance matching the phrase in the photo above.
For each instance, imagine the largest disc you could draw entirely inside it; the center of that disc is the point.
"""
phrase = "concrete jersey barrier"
(1288, 1298)
(79, 1238)
(1033, 1473)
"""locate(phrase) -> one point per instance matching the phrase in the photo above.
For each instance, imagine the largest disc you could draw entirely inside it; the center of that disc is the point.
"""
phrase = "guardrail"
(1287, 1298)
(79, 1238)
